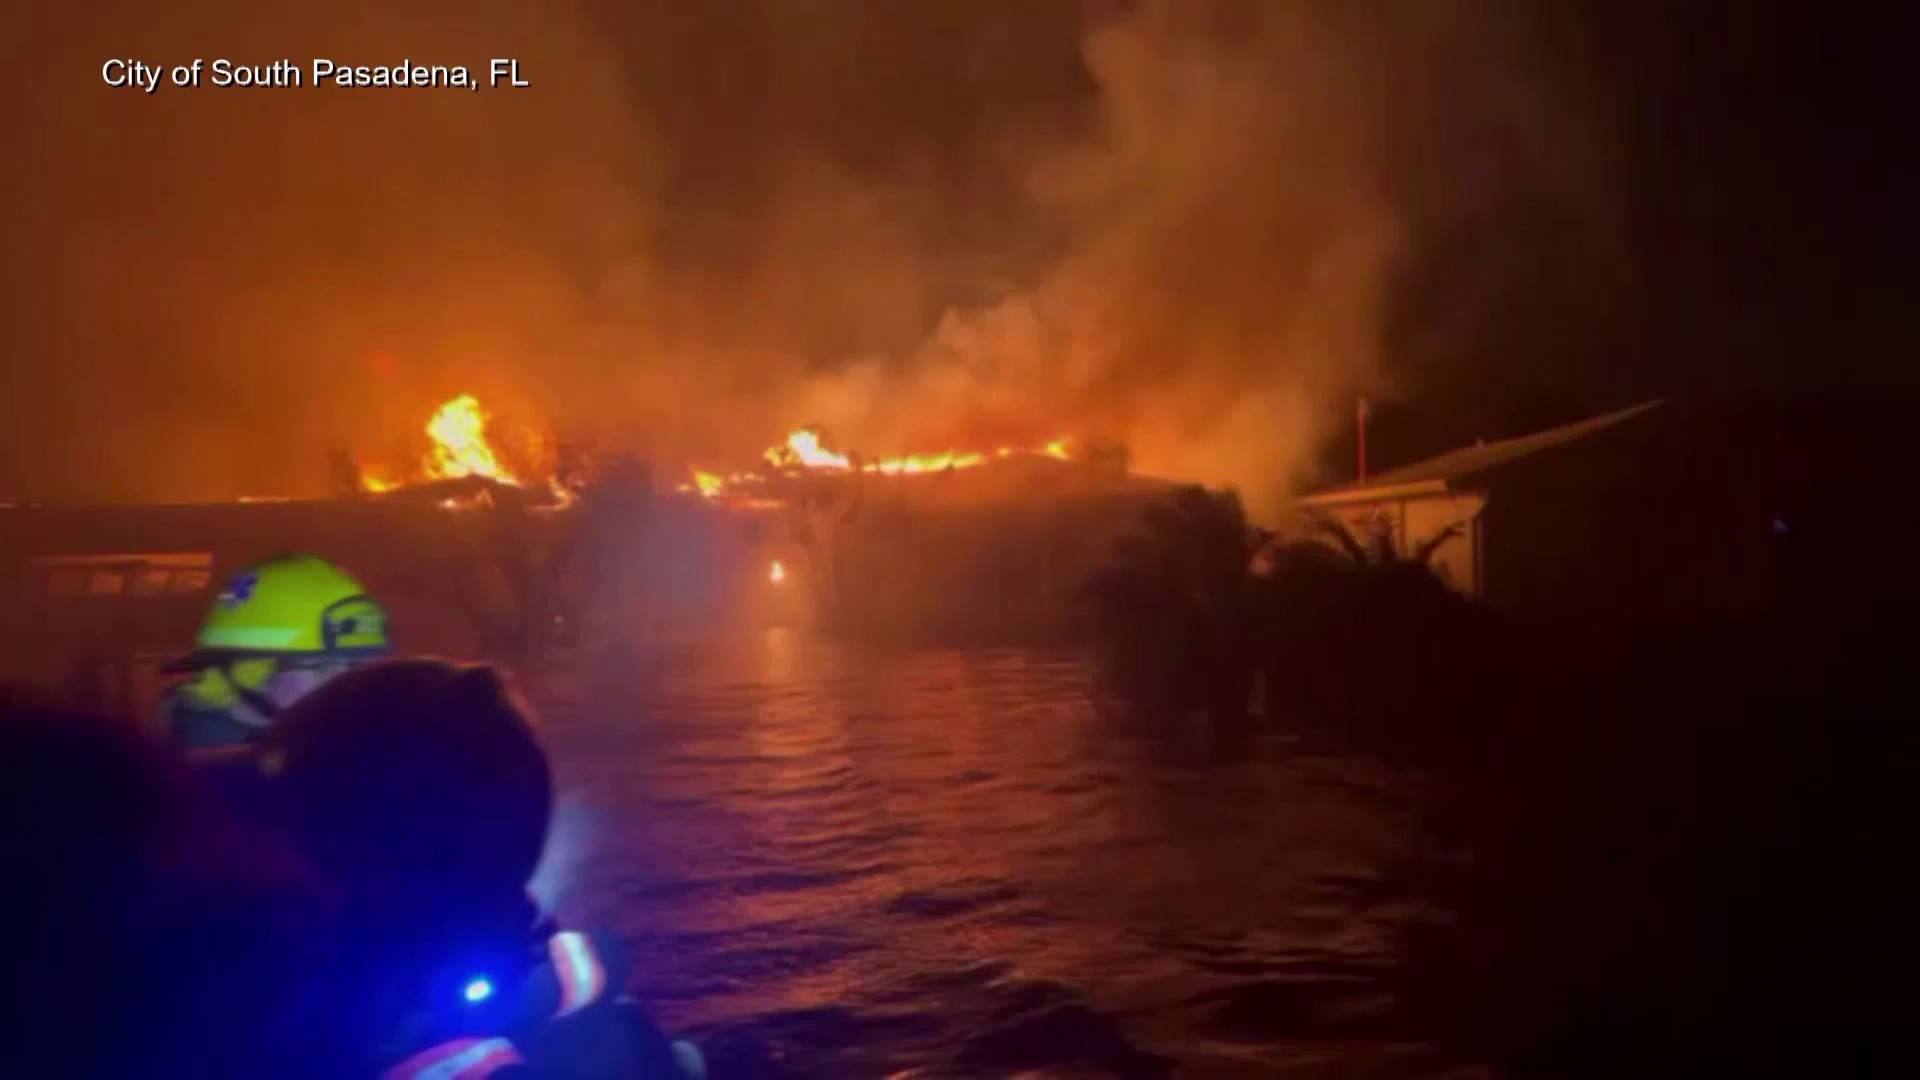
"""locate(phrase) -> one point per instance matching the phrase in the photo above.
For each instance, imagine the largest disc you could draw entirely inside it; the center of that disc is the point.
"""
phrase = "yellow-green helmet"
(290, 607)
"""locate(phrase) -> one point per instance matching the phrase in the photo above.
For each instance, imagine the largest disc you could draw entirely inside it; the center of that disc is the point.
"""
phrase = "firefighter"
(276, 631)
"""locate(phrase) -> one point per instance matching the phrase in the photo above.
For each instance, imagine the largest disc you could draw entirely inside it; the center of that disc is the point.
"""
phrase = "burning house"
(473, 557)
(464, 554)
(981, 544)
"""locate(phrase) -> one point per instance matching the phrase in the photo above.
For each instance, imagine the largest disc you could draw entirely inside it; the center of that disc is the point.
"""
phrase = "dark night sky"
(1204, 226)
(1765, 191)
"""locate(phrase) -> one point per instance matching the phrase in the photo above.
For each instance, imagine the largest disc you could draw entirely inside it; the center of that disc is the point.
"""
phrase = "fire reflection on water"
(866, 861)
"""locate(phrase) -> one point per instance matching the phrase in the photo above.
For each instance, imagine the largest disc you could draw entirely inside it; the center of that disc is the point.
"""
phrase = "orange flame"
(459, 433)
(803, 448)
(375, 481)
(806, 450)
(460, 448)
(776, 573)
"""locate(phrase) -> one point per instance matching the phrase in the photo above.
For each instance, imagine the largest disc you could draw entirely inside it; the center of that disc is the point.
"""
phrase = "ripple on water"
(951, 900)
(943, 863)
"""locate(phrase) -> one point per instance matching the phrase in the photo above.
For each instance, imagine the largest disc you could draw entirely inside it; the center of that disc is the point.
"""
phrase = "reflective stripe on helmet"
(578, 969)
(356, 623)
(248, 637)
(459, 1059)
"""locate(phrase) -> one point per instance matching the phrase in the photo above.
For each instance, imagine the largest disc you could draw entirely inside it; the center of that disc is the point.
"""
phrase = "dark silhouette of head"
(151, 936)
(420, 790)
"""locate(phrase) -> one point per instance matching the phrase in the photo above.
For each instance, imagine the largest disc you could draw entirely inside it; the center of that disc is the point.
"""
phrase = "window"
(138, 575)
(151, 581)
(66, 581)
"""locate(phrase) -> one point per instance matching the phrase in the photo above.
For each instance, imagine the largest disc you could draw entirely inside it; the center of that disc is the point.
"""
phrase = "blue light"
(478, 990)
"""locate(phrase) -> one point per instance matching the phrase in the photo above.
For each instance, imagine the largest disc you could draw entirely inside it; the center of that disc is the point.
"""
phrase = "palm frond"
(1382, 544)
(1424, 551)
(1335, 530)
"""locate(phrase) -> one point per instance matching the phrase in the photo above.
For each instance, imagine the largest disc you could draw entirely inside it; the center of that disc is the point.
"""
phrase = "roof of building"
(1446, 470)
(1015, 480)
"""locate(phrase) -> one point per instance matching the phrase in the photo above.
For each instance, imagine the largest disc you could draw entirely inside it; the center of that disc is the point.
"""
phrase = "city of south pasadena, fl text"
(148, 77)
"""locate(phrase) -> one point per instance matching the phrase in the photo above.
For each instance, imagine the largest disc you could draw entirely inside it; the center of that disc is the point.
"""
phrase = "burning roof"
(461, 463)
(806, 453)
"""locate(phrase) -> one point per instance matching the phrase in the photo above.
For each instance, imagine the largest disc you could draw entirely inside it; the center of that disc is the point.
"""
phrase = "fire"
(806, 450)
(776, 573)
(375, 481)
(459, 449)
(459, 433)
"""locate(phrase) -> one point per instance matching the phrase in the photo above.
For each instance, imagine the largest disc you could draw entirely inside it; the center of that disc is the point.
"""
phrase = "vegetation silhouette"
(1176, 616)
(1336, 637)
(1659, 841)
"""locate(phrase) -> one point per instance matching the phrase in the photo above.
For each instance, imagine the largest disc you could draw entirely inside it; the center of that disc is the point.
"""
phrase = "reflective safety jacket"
(564, 1019)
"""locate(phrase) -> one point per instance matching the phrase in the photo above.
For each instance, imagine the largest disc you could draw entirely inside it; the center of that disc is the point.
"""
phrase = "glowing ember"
(459, 434)
(776, 573)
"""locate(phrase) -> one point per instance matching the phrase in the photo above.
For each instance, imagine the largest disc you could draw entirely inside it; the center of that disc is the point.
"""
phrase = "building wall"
(439, 572)
(1590, 532)
(1705, 512)
(1656, 519)
(1417, 519)
(1002, 573)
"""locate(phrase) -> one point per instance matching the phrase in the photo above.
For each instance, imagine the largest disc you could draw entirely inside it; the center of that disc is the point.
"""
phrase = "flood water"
(837, 862)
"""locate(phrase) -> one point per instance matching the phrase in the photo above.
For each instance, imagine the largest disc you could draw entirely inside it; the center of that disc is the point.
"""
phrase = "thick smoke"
(1180, 224)
(1228, 240)
(1255, 183)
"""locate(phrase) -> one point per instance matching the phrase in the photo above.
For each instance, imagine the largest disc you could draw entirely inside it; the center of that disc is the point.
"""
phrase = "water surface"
(841, 862)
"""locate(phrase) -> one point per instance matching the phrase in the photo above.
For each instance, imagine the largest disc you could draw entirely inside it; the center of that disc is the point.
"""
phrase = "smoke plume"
(1180, 224)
